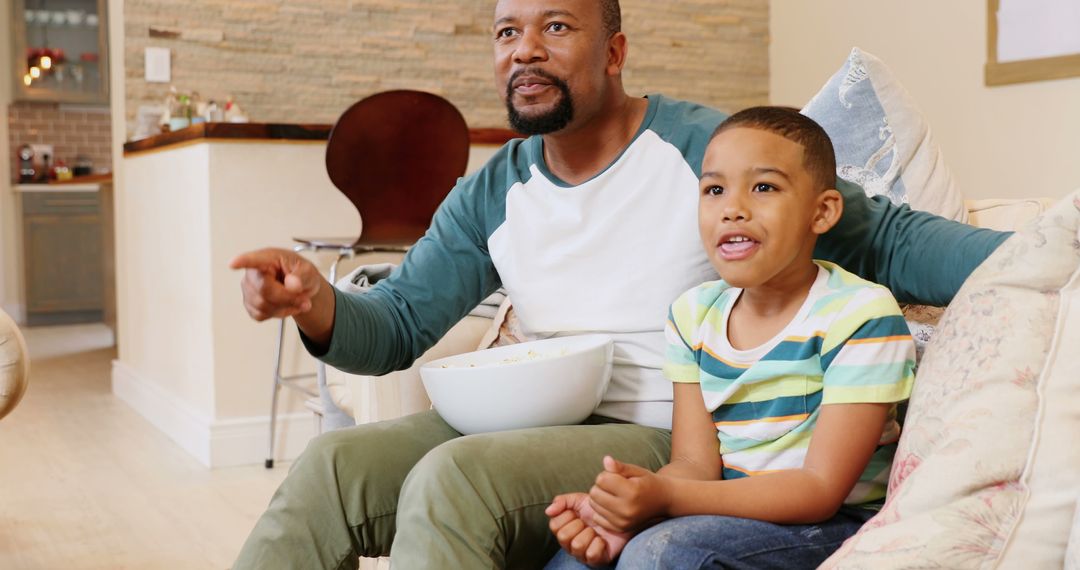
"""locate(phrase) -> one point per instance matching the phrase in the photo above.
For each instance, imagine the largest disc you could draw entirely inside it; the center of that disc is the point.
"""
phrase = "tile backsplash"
(72, 130)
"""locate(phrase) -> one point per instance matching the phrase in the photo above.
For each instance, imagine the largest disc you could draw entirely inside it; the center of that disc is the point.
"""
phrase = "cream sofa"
(954, 509)
(377, 398)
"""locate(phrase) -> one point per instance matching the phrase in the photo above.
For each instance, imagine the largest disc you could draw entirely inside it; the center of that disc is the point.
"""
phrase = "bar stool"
(395, 155)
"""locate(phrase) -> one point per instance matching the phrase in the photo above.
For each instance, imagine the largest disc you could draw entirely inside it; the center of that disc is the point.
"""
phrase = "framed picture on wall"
(1032, 40)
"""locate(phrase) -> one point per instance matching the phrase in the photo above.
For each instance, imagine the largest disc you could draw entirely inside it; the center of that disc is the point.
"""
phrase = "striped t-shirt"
(848, 344)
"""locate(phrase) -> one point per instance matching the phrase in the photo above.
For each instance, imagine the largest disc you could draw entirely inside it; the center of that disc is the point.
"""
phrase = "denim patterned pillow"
(882, 141)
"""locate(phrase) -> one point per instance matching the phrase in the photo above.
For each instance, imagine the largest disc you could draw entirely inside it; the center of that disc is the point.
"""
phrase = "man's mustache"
(537, 72)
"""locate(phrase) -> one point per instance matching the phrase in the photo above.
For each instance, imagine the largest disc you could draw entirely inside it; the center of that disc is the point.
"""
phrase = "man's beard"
(553, 120)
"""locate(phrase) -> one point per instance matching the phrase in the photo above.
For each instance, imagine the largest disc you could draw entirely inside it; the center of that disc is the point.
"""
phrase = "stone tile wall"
(72, 130)
(307, 60)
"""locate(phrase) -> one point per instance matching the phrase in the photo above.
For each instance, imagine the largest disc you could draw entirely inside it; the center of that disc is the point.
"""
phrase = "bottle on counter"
(197, 109)
(83, 166)
(233, 113)
(27, 172)
(61, 171)
(214, 114)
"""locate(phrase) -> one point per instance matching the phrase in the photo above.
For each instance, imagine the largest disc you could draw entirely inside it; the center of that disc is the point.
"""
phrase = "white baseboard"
(214, 443)
(243, 441)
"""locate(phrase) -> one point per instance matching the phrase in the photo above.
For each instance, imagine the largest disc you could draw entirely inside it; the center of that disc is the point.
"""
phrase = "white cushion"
(882, 141)
(987, 470)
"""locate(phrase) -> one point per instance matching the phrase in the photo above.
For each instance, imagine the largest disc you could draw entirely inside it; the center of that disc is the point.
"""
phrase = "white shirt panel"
(608, 255)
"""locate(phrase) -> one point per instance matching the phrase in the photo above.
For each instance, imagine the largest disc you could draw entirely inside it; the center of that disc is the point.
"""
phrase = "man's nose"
(530, 48)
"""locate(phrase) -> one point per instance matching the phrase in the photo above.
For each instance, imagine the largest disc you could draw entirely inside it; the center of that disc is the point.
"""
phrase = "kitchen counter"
(89, 183)
(270, 132)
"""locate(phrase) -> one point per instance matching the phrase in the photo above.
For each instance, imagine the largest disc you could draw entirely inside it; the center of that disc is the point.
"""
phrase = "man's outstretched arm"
(921, 257)
(445, 275)
(279, 283)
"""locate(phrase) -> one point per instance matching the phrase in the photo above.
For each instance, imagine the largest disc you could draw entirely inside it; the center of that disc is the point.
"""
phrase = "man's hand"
(573, 525)
(279, 283)
(627, 497)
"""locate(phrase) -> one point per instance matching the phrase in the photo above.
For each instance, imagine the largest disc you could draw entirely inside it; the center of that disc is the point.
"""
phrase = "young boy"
(794, 364)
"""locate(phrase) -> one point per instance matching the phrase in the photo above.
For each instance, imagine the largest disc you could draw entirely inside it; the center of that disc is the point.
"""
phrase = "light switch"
(158, 65)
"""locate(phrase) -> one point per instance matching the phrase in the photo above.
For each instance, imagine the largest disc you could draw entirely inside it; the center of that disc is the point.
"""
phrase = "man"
(572, 221)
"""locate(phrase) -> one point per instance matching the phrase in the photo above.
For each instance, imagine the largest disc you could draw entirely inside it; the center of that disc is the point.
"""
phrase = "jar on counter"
(83, 166)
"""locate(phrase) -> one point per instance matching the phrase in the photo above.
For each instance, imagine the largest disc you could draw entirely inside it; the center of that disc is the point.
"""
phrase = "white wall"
(191, 360)
(117, 95)
(10, 284)
(1014, 141)
(189, 351)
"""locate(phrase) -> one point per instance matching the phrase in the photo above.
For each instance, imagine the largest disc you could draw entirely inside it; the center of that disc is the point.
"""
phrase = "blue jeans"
(709, 541)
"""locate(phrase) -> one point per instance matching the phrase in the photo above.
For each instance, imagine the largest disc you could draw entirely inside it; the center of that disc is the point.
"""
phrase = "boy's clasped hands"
(595, 526)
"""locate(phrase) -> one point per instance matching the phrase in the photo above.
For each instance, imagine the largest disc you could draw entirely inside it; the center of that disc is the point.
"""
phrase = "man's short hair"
(612, 16)
(819, 159)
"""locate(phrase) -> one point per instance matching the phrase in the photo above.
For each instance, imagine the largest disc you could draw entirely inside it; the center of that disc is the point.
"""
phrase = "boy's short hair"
(819, 159)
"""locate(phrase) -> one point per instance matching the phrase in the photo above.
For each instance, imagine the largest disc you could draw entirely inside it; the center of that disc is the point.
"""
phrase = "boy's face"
(759, 210)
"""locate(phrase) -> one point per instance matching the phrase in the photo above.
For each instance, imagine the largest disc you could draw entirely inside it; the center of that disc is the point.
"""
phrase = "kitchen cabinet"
(61, 51)
(64, 256)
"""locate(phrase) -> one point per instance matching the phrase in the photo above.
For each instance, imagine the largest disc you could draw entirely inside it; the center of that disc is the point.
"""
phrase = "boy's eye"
(713, 190)
(762, 187)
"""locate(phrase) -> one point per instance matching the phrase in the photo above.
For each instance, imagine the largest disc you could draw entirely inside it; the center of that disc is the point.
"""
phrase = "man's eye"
(762, 187)
(505, 33)
(557, 27)
(713, 190)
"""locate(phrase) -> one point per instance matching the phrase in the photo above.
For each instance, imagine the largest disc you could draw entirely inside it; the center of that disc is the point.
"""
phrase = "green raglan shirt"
(610, 255)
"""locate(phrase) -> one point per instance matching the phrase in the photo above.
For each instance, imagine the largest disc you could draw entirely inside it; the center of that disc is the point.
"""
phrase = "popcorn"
(526, 357)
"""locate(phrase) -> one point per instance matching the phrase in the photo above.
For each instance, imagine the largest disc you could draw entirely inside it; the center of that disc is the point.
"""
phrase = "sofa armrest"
(377, 398)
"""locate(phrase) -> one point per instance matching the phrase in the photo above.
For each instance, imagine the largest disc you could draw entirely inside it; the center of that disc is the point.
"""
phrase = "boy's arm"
(846, 435)
(695, 452)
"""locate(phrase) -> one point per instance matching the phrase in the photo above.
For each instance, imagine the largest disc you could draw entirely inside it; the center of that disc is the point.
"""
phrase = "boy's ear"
(830, 206)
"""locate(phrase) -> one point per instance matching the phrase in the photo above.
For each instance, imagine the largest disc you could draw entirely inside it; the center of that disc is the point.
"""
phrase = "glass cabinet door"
(61, 51)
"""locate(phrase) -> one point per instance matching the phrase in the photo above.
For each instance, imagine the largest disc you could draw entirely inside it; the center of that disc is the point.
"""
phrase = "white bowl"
(557, 381)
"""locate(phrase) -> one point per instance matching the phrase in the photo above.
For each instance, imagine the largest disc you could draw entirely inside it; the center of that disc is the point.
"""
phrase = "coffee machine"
(27, 171)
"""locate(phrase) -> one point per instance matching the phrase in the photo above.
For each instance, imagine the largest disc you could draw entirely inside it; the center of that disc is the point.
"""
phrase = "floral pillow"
(882, 141)
(987, 470)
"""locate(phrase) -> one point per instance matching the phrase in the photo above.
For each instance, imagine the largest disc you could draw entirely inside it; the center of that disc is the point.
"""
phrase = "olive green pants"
(431, 498)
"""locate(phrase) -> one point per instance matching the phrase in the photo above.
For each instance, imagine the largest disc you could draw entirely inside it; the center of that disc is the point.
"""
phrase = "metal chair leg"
(269, 464)
(281, 381)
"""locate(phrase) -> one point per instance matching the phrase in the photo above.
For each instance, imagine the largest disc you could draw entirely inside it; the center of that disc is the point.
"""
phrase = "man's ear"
(617, 50)
(830, 206)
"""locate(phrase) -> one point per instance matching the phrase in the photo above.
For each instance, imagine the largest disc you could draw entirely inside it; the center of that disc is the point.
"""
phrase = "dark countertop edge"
(85, 179)
(277, 131)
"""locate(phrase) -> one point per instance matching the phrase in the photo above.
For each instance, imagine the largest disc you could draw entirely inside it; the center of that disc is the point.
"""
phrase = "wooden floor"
(85, 482)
